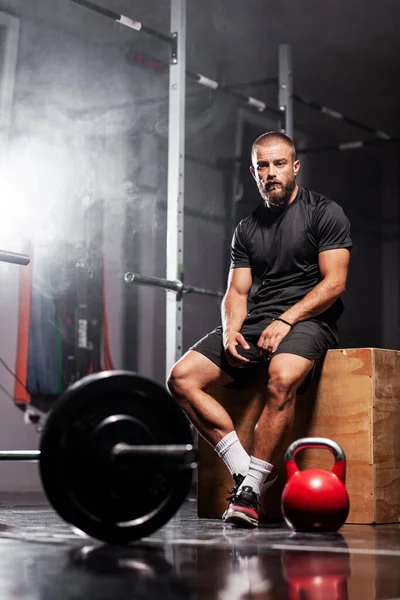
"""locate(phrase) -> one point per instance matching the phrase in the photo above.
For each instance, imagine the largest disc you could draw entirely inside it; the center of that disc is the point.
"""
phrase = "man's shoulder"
(314, 199)
(319, 204)
(252, 218)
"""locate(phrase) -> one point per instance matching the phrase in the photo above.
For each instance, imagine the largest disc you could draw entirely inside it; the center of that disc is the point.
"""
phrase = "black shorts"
(310, 339)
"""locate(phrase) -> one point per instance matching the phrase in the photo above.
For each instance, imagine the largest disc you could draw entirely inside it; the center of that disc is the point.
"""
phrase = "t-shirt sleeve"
(332, 227)
(239, 251)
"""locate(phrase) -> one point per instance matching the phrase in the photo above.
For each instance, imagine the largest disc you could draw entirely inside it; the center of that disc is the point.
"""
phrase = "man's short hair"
(273, 136)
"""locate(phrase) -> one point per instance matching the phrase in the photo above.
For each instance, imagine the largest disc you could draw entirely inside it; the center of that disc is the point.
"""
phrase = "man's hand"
(231, 340)
(271, 337)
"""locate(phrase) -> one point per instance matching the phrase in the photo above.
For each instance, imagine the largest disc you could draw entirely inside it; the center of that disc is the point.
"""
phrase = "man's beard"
(277, 195)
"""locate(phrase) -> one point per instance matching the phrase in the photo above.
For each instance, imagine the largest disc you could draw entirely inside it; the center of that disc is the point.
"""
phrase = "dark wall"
(354, 180)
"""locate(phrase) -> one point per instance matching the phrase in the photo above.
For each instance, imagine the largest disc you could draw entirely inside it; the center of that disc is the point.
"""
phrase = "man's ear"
(296, 166)
(252, 171)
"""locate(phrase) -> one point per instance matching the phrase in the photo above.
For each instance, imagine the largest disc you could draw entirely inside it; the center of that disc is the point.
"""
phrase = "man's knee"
(281, 382)
(282, 387)
(286, 374)
(180, 379)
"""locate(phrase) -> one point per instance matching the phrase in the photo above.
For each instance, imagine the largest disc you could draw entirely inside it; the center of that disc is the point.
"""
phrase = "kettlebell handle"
(339, 468)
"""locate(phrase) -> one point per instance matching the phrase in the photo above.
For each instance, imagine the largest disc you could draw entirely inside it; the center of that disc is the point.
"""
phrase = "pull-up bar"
(344, 146)
(170, 39)
(335, 114)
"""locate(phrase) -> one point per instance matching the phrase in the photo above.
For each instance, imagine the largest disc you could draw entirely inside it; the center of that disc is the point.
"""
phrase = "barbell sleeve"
(27, 455)
(182, 454)
(166, 284)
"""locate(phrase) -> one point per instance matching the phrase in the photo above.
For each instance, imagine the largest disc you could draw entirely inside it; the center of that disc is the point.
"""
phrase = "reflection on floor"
(42, 558)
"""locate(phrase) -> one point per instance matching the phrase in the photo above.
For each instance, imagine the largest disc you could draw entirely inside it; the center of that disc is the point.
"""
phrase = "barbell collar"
(181, 455)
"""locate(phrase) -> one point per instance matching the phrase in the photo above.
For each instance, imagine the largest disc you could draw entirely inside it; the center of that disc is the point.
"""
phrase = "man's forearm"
(315, 302)
(233, 311)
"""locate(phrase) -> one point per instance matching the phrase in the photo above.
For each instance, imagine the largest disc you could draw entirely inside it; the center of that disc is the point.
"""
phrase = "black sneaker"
(242, 511)
(237, 482)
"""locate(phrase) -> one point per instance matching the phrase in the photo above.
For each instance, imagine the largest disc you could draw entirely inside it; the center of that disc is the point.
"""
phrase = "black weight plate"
(115, 503)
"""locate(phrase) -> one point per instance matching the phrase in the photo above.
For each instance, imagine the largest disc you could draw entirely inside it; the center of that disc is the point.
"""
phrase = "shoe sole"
(240, 520)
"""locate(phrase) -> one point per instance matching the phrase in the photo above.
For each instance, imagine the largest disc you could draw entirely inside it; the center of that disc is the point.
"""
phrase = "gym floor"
(41, 557)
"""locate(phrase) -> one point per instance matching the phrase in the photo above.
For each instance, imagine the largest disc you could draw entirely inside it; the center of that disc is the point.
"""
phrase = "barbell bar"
(183, 455)
(174, 285)
(116, 456)
(14, 257)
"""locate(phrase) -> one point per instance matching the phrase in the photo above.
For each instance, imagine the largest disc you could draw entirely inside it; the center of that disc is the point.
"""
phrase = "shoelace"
(231, 495)
(233, 491)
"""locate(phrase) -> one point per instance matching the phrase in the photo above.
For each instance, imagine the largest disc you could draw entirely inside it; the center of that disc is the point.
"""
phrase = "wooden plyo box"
(354, 400)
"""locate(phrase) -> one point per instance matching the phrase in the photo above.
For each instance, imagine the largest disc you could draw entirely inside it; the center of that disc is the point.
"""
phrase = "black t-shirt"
(282, 248)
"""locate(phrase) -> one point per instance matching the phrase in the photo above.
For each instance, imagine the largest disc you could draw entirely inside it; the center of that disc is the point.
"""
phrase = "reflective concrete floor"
(42, 558)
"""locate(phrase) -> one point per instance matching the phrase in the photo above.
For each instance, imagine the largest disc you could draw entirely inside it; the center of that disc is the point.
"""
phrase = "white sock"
(257, 474)
(233, 454)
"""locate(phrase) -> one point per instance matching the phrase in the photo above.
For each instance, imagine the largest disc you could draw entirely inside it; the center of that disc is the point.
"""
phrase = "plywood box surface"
(354, 400)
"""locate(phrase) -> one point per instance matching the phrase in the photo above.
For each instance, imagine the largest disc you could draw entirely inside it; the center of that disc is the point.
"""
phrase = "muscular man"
(296, 244)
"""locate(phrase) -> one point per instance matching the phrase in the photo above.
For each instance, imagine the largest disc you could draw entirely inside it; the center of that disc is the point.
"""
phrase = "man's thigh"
(198, 371)
(308, 339)
(298, 353)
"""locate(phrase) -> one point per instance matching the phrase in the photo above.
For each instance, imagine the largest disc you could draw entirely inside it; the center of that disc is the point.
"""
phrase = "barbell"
(14, 257)
(116, 456)
(173, 285)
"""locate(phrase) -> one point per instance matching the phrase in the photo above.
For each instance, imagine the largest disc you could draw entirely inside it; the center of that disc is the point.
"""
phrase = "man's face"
(275, 173)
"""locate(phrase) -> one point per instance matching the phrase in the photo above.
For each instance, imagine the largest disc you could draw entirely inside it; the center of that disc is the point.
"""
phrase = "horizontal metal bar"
(201, 79)
(213, 85)
(123, 20)
(254, 83)
(353, 145)
(334, 114)
(27, 455)
(182, 455)
(167, 284)
(14, 257)
(187, 289)
(177, 450)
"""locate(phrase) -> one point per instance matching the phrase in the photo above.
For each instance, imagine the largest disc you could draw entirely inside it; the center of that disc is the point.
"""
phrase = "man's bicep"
(334, 264)
(240, 257)
(332, 228)
(240, 280)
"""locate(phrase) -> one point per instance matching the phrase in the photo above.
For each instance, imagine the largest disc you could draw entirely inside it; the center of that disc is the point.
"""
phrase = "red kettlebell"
(319, 575)
(315, 499)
